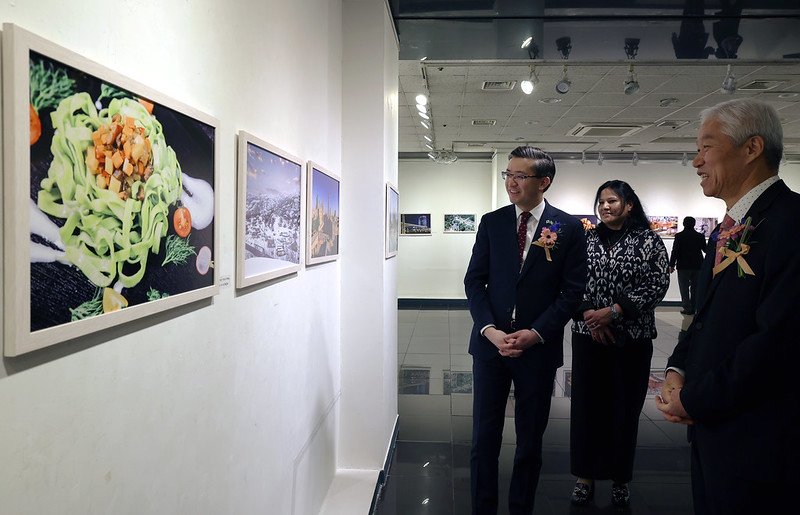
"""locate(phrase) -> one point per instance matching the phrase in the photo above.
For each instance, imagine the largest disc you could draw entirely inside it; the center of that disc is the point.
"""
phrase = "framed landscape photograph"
(664, 226)
(323, 215)
(459, 223)
(415, 223)
(392, 221)
(268, 212)
(110, 205)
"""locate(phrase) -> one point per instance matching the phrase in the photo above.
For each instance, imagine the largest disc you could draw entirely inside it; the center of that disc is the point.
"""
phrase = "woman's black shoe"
(620, 495)
(582, 493)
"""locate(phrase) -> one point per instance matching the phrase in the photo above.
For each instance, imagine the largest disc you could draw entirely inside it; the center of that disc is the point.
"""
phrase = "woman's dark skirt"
(609, 386)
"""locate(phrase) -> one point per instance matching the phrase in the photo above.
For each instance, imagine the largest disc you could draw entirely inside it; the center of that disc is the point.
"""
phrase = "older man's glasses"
(508, 176)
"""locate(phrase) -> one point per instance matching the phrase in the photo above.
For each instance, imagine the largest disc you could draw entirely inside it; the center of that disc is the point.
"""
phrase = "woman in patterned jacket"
(612, 341)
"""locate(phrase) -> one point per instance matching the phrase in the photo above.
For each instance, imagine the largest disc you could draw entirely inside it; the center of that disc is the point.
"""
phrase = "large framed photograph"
(392, 221)
(459, 223)
(415, 223)
(323, 215)
(269, 212)
(110, 197)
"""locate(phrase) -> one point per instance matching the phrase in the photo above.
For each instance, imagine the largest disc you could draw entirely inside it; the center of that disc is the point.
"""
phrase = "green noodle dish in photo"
(112, 179)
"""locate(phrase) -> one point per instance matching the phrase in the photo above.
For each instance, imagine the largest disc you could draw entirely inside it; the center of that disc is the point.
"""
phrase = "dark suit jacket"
(687, 250)
(741, 353)
(545, 293)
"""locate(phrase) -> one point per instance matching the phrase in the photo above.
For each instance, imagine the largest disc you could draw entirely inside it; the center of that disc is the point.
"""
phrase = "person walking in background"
(731, 377)
(687, 256)
(612, 341)
(524, 280)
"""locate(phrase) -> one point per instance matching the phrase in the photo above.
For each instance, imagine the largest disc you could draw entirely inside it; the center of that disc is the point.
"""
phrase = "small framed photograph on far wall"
(392, 221)
(664, 226)
(459, 223)
(322, 205)
(415, 223)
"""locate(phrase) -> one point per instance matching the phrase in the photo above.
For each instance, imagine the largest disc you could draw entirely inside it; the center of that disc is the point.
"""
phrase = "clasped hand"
(599, 323)
(511, 345)
(669, 402)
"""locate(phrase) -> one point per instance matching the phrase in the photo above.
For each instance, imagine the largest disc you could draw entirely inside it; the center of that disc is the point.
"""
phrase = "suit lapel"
(535, 253)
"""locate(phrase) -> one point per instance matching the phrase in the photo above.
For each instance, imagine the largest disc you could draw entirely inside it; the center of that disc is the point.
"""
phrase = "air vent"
(483, 123)
(604, 130)
(672, 124)
(760, 85)
(498, 85)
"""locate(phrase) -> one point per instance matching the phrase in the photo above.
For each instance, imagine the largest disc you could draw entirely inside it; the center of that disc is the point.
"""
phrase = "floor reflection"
(430, 468)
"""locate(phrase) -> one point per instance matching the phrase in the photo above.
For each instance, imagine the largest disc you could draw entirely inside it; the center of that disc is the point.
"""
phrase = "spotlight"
(599, 159)
(427, 138)
(729, 83)
(631, 84)
(563, 85)
(685, 159)
(631, 47)
(421, 108)
(635, 160)
(531, 82)
(422, 99)
(533, 48)
(564, 46)
(583, 157)
(527, 42)
(425, 124)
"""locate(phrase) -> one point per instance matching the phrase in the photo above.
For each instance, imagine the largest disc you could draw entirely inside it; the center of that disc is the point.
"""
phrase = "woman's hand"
(599, 322)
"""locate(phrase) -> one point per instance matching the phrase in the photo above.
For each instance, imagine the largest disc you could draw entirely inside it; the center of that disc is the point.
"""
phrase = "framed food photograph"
(415, 223)
(459, 223)
(268, 212)
(322, 205)
(664, 226)
(392, 221)
(588, 221)
(110, 208)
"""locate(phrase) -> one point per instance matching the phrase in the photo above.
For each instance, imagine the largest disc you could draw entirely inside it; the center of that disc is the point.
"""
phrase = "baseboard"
(384, 473)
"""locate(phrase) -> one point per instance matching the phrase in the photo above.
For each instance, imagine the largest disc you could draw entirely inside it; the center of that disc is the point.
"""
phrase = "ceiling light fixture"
(666, 102)
(425, 124)
(425, 115)
(635, 160)
(532, 47)
(563, 85)
(599, 159)
(531, 82)
(443, 157)
(631, 84)
(422, 99)
(685, 159)
(421, 108)
(729, 83)
(583, 157)
(429, 146)
(564, 45)
(427, 138)
(631, 47)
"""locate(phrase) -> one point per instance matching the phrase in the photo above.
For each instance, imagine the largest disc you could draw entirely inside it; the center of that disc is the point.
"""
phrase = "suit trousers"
(687, 284)
(533, 389)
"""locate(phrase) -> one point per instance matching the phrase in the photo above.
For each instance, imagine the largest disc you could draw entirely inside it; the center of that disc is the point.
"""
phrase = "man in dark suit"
(687, 256)
(732, 376)
(523, 283)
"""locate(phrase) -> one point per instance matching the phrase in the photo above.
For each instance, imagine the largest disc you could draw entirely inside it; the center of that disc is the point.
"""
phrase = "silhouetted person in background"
(687, 256)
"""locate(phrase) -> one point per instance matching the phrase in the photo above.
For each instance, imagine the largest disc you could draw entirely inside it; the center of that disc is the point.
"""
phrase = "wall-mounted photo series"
(415, 223)
(459, 223)
(323, 215)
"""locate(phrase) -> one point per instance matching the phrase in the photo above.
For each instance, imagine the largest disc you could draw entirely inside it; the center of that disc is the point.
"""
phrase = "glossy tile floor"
(429, 473)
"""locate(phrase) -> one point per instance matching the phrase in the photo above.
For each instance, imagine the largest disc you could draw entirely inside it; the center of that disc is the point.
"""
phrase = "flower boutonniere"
(733, 244)
(549, 237)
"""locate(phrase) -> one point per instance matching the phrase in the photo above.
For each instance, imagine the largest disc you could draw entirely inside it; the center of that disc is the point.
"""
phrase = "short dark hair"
(543, 165)
(626, 194)
(689, 221)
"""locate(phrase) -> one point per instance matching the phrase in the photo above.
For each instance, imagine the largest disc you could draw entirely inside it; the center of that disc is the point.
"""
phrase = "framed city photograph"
(110, 205)
(664, 226)
(459, 223)
(322, 205)
(269, 212)
(392, 221)
(415, 223)
(705, 225)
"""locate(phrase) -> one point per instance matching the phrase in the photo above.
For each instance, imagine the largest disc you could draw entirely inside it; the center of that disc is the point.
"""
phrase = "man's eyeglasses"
(518, 178)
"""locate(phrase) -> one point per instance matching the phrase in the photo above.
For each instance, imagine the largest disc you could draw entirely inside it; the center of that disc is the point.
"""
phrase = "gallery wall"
(232, 404)
(433, 266)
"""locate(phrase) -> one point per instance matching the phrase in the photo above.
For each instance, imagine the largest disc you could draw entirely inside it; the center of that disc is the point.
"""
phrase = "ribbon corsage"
(734, 244)
(549, 237)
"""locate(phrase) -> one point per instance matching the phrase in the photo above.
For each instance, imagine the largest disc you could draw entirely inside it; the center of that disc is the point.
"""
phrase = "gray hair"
(744, 118)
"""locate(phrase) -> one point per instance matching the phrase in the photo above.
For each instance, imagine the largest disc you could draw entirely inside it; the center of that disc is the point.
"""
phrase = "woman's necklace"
(611, 236)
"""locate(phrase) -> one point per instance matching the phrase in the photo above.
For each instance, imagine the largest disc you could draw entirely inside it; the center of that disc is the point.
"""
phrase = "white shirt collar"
(536, 212)
(743, 205)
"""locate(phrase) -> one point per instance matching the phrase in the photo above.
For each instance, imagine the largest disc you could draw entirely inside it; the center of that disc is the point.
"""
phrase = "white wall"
(432, 267)
(227, 406)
